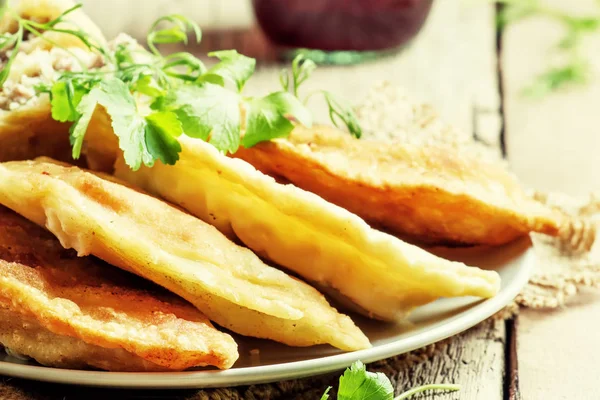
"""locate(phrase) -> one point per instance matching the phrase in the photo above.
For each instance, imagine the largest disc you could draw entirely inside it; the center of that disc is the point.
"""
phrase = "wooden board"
(559, 351)
(474, 360)
(553, 145)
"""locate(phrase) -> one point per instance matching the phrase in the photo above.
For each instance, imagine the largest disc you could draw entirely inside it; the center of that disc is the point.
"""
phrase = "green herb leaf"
(359, 384)
(266, 118)
(127, 123)
(233, 67)
(342, 110)
(147, 85)
(62, 109)
(64, 99)
(85, 109)
(191, 125)
(184, 95)
(162, 130)
(213, 110)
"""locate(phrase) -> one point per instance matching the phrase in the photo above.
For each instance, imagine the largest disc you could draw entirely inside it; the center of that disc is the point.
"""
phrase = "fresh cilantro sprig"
(339, 110)
(575, 69)
(152, 98)
(359, 384)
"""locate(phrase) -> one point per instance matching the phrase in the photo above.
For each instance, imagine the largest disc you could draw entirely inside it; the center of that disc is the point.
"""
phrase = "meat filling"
(40, 66)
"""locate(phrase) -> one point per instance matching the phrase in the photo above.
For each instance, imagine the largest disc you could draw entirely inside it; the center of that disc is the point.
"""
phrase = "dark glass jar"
(355, 26)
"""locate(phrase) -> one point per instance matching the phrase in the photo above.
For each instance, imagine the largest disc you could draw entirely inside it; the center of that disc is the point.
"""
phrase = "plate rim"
(283, 371)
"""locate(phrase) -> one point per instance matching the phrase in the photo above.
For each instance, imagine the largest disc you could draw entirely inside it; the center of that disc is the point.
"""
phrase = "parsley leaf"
(191, 125)
(147, 85)
(213, 111)
(85, 109)
(65, 96)
(127, 123)
(162, 130)
(234, 67)
(184, 96)
(266, 117)
(359, 384)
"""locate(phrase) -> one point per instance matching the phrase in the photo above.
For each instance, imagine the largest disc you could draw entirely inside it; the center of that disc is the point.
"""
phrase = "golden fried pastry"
(327, 245)
(72, 312)
(148, 237)
(428, 193)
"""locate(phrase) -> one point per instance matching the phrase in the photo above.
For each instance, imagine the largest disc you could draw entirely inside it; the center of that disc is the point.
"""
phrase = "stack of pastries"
(106, 267)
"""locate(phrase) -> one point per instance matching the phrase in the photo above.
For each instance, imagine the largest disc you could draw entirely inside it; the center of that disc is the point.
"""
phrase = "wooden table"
(474, 75)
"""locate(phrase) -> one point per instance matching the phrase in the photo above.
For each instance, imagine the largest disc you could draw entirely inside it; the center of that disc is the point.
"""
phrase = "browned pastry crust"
(67, 311)
(426, 193)
(159, 242)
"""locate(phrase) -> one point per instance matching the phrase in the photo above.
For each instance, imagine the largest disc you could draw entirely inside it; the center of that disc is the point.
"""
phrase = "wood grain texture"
(559, 352)
(553, 145)
(474, 360)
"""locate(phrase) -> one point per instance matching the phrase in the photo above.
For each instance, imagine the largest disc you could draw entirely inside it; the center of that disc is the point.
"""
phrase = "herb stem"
(434, 386)
(29, 28)
(308, 96)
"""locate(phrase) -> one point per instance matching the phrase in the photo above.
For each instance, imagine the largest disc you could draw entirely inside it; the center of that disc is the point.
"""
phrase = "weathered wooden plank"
(476, 362)
(512, 389)
(552, 145)
(559, 353)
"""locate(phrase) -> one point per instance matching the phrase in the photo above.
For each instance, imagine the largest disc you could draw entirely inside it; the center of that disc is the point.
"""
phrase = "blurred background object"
(328, 31)
(346, 30)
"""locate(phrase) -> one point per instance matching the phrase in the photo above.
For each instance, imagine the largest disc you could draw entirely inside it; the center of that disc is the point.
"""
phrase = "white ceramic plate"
(269, 361)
